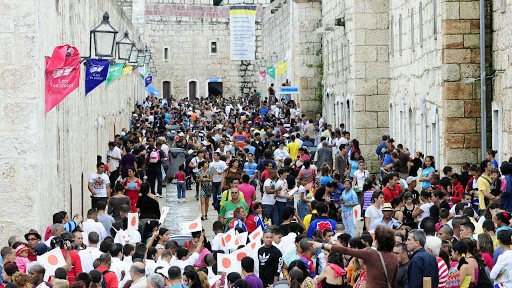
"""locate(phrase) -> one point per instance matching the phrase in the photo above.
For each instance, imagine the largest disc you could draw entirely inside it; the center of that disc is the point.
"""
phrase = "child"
(21, 256)
(349, 200)
(303, 206)
(457, 189)
(181, 178)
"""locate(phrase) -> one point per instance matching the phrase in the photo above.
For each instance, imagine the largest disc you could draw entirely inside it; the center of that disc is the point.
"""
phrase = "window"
(166, 54)
(213, 47)
(420, 24)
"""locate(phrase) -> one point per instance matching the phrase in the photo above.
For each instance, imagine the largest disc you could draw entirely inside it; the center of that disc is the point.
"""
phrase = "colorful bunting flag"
(281, 68)
(271, 71)
(96, 72)
(115, 71)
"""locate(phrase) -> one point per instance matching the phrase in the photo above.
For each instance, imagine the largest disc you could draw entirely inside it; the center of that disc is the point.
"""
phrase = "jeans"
(216, 191)
(181, 190)
(152, 176)
(302, 209)
(268, 212)
(290, 203)
(348, 221)
(278, 212)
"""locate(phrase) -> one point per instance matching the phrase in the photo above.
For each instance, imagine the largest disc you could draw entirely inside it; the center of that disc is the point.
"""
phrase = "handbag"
(385, 269)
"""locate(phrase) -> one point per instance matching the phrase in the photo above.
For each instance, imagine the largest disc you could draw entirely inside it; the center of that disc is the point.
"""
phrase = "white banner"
(242, 26)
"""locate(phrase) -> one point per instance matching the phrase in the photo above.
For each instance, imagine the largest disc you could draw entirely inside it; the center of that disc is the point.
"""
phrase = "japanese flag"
(256, 235)
(192, 226)
(228, 263)
(241, 253)
(133, 221)
(357, 213)
(51, 261)
(243, 237)
(229, 239)
(254, 246)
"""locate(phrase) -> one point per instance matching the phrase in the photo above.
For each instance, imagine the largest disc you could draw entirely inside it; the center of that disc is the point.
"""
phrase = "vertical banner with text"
(95, 73)
(242, 26)
(62, 75)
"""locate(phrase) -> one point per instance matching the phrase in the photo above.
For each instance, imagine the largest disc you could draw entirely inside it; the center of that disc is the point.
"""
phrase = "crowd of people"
(264, 167)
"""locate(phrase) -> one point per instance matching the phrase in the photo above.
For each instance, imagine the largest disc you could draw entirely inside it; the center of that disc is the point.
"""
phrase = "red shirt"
(457, 191)
(110, 277)
(390, 194)
(31, 256)
(180, 176)
(75, 263)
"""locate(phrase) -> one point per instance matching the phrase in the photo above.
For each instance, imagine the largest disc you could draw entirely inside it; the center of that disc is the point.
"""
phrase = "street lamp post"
(133, 56)
(104, 37)
(125, 47)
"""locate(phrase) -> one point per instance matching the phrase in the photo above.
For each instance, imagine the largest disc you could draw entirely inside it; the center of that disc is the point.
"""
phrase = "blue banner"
(148, 80)
(95, 73)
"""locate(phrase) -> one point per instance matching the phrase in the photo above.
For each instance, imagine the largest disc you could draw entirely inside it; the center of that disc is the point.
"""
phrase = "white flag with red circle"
(228, 263)
(228, 241)
(357, 213)
(51, 261)
(243, 237)
(133, 221)
(256, 235)
(192, 226)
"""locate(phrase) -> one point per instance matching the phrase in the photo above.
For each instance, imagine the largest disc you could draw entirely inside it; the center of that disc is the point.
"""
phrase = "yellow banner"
(281, 68)
(246, 12)
(126, 71)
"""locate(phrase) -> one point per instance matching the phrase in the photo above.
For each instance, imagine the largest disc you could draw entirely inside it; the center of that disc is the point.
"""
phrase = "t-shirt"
(374, 214)
(268, 199)
(361, 177)
(219, 166)
(114, 153)
(484, 183)
(293, 148)
(228, 207)
(426, 211)
(99, 184)
(253, 281)
(283, 184)
(247, 190)
(321, 223)
(270, 264)
(425, 173)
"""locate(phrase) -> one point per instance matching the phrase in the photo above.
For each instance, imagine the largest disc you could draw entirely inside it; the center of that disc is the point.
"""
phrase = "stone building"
(46, 159)
(409, 71)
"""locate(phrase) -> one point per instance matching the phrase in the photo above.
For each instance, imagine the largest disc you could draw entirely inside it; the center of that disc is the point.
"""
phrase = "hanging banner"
(143, 72)
(95, 73)
(242, 26)
(271, 71)
(148, 80)
(62, 75)
(126, 71)
(281, 68)
(114, 71)
(263, 74)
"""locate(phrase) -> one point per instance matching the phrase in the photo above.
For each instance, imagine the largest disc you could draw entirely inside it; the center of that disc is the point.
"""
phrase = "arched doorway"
(166, 89)
(192, 89)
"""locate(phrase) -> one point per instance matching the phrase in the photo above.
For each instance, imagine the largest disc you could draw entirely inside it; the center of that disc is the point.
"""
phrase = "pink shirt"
(248, 190)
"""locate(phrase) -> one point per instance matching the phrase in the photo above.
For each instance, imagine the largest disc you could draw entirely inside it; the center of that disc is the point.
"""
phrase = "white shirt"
(117, 266)
(87, 258)
(504, 264)
(132, 235)
(283, 185)
(99, 184)
(183, 263)
(361, 176)
(219, 166)
(92, 226)
(426, 211)
(166, 149)
(281, 154)
(268, 199)
(116, 153)
(375, 216)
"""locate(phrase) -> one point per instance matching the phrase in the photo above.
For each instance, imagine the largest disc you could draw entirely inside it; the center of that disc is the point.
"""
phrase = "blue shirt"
(354, 165)
(425, 173)
(351, 198)
(325, 179)
(391, 224)
(250, 168)
(263, 110)
(321, 223)
(422, 264)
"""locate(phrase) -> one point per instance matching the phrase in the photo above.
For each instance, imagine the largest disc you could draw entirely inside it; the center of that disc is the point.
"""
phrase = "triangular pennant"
(126, 71)
(96, 72)
(281, 68)
(115, 71)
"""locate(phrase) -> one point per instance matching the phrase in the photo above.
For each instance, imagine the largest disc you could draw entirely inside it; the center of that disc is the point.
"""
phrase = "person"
(305, 199)
(205, 176)
(181, 179)
(271, 259)
(90, 253)
(117, 201)
(381, 272)
(21, 280)
(360, 174)
(426, 172)
(156, 281)
(106, 220)
(422, 264)
(348, 201)
(155, 158)
(332, 274)
(36, 272)
(191, 279)
(33, 238)
(132, 185)
(307, 281)
(268, 200)
(282, 196)
(433, 246)
(99, 185)
(467, 265)
(500, 272)
(248, 275)
(226, 212)
(322, 222)
(387, 218)
(400, 250)
(373, 213)
(147, 207)
(92, 225)
(247, 189)
(232, 173)
(254, 220)
(175, 278)
(138, 275)
(109, 277)
(490, 156)
(113, 158)
(484, 186)
(238, 220)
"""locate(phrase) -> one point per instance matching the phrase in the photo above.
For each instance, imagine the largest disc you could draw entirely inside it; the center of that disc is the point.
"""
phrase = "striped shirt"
(443, 272)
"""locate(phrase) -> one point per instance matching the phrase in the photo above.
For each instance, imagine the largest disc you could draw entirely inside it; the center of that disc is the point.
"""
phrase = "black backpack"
(103, 283)
(484, 280)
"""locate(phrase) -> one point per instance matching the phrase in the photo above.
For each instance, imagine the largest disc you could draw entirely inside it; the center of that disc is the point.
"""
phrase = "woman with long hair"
(203, 279)
(354, 163)
(307, 281)
(205, 177)
(116, 200)
(131, 186)
(238, 220)
(191, 279)
(332, 275)
(486, 249)
(232, 173)
(491, 156)
(296, 278)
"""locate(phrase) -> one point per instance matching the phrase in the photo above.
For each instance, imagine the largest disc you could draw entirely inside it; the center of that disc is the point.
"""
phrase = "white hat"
(411, 179)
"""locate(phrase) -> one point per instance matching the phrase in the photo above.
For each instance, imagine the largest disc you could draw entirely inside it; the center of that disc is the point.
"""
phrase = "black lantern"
(104, 36)
(141, 57)
(124, 47)
(147, 56)
(133, 56)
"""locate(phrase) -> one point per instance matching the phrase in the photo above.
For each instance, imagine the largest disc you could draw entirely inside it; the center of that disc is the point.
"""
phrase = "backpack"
(154, 156)
(103, 283)
(484, 279)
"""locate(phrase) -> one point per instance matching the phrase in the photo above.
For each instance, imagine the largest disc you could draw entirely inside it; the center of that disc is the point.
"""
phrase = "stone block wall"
(46, 158)
(187, 30)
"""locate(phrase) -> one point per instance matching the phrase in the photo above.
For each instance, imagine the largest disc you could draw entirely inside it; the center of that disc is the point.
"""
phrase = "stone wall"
(501, 106)
(356, 69)
(289, 31)
(187, 31)
(46, 158)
